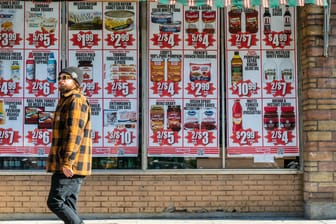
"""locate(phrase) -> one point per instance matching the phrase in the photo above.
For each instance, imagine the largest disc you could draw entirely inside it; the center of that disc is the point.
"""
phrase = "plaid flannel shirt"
(71, 136)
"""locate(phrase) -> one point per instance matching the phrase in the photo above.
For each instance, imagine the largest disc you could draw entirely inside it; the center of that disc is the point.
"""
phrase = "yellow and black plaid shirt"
(71, 136)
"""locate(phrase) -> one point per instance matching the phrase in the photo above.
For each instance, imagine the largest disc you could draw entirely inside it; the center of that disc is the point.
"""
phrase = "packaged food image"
(110, 117)
(34, 19)
(208, 119)
(85, 21)
(200, 72)
(87, 69)
(45, 119)
(32, 114)
(119, 21)
(235, 23)
(191, 118)
(173, 27)
(162, 17)
(7, 21)
(157, 69)
(208, 16)
(270, 71)
(251, 20)
(174, 69)
(48, 25)
(157, 117)
(122, 72)
(127, 116)
(271, 119)
(191, 16)
(174, 117)
(2, 113)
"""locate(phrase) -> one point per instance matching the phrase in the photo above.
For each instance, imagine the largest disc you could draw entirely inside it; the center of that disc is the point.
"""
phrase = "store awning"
(246, 3)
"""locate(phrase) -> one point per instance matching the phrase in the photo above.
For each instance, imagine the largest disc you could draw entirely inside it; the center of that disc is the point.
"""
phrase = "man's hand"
(67, 172)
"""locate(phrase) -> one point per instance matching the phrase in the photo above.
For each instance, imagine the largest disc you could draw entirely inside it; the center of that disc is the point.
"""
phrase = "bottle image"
(51, 68)
(237, 116)
(287, 21)
(236, 68)
(267, 21)
(15, 71)
(30, 67)
(2, 113)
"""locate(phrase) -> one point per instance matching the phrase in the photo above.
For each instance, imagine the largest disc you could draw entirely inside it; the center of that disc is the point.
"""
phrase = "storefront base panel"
(320, 210)
(162, 193)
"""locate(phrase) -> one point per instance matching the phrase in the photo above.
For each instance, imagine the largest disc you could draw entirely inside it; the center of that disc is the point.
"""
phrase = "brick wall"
(318, 79)
(119, 194)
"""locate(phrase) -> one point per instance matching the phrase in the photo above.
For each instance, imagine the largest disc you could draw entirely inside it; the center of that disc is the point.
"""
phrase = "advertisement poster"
(29, 63)
(262, 82)
(183, 81)
(103, 42)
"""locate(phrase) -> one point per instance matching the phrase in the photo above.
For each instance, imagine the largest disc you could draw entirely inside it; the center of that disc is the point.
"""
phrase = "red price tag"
(41, 88)
(42, 39)
(166, 40)
(9, 39)
(200, 88)
(39, 137)
(279, 136)
(277, 39)
(120, 88)
(9, 136)
(90, 88)
(121, 137)
(120, 39)
(200, 137)
(279, 88)
(95, 137)
(245, 137)
(165, 137)
(244, 88)
(243, 40)
(200, 40)
(168, 88)
(9, 88)
(85, 39)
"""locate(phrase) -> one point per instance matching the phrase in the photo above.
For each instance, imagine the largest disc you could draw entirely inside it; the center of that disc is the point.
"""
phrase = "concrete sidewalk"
(183, 221)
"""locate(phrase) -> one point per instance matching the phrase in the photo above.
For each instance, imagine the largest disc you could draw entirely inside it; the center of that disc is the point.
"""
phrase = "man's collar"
(71, 92)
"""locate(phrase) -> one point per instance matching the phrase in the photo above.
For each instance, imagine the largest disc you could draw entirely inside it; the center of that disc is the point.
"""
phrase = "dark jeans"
(63, 196)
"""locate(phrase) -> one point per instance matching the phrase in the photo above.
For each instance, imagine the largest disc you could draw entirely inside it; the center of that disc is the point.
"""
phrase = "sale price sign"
(245, 137)
(200, 40)
(85, 39)
(95, 136)
(42, 39)
(277, 39)
(9, 136)
(244, 88)
(167, 40)
(120, 39)
(90, 88)
(39, 137)
(280, 136)
(243, 40)
(279, 88)
(121, 137)
(9, 87)
(200, 88)
(165, 88)
(40, 88)
(9, 39)
(165, 137)
(120, 88)
(200, 137)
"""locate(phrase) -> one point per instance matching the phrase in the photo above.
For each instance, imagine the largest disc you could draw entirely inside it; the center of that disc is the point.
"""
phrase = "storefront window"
(190, 87)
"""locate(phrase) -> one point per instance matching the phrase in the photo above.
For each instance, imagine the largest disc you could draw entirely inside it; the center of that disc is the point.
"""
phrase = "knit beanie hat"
(75, 73)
